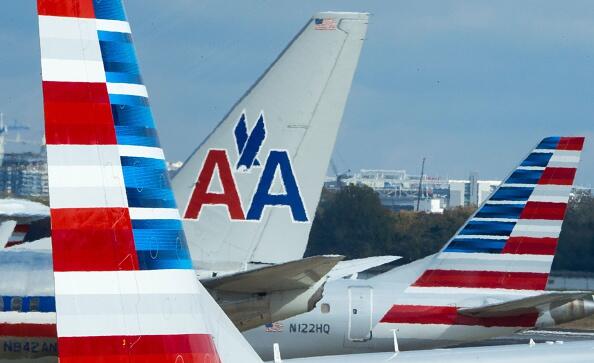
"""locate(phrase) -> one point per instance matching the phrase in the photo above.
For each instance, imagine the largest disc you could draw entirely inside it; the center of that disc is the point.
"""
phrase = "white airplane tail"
(254, 184)
(124, 283)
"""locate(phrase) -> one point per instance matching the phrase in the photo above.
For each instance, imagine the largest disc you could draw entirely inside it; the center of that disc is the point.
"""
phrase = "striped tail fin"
(510, 242)
(125, 287)
(18, 234)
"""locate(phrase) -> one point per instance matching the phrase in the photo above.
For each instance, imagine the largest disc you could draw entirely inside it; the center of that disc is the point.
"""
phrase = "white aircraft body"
(16, 216)
(120, 296)
(487, 281)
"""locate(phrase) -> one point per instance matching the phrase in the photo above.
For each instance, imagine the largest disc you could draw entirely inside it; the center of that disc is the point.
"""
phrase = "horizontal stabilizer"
(525, 305)
(299, 274)
(351, 267)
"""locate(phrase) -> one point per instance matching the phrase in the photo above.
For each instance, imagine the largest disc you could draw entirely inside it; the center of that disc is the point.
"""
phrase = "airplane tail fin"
(7, 229)
(124, 283)
(510, 241)
(256, 180)
(18, 234)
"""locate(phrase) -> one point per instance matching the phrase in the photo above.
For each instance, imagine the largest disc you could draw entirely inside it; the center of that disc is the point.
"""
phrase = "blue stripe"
(109, 9)
(164, 260)
(132, 116)
(136, 177)
(537, 159)
(476, 245)
(126, 68)
(139, 136)
(488, 228)
(166, 224)
(512, 194)
(107, 36)
(500, 211)
(128, 100)
(524, 177)
(117, 77)
(143, 162)
(549, 143)
(121, 52)
(150, 198)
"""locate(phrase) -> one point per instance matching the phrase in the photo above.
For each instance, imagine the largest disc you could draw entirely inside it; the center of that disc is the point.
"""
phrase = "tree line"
(352, 222)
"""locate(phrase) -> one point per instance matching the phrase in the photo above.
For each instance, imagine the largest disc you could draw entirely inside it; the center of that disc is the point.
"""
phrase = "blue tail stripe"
(521, 176)
(549, 143)
(109, 10)
(538, 159)
(500, 211)
(488, 228)
(512, 194)
(476, 246)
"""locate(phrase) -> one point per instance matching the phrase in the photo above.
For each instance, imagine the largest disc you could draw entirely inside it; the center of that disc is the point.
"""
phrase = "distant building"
(400, 191)
(24, 175)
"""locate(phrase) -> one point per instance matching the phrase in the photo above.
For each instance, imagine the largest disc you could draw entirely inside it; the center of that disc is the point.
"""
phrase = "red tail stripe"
(70, 8)
(103, 239)
(28, 330)
(147, 348)
(483, 279)
(78, 113)
(557, 176)
(543, 210)
(571, 143)
(530, 246)
(448, 315)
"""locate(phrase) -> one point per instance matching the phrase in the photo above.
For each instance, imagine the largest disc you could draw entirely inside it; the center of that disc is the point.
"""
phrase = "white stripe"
(537, 228)
(496, 256)
(113, 26)
(471, 263)
(505, 202)
(543, 151)
(71, 49)
(551, 193)
(549, 199)
(162, 302)
(62, 27)
(141, 151)
(518, 185)
(494, 219)
(85, 176)
(65, 70)
(127, 89)
(530, 168)
(13, 317)
(154, 213)
(126, 282)
(566, 156)
(472, 236)
(470, 291)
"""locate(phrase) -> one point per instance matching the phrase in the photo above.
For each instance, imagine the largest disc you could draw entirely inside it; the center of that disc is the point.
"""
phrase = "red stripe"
(28, 330)
(557, 176)
(530, 246)
(78, 113)
(448, 315)
(188, 348)
(571, 143)
(544, 210)
(93, 239)
(71, 8)
(483, 279)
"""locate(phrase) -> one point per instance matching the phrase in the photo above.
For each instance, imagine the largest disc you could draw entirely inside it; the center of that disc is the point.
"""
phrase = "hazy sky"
(471, 85)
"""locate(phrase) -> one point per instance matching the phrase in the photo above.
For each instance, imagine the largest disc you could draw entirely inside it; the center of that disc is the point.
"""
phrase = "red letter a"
(229, 197)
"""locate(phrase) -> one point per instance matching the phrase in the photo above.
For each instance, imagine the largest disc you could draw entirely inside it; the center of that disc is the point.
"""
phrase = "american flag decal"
(274, 327)
(325, 24)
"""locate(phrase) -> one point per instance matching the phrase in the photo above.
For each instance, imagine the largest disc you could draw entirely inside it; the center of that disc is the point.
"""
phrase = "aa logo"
(276, 164)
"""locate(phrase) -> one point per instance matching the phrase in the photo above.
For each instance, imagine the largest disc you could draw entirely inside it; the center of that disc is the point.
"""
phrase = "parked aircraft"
(16, 216)
(487, 281)
(125, 287)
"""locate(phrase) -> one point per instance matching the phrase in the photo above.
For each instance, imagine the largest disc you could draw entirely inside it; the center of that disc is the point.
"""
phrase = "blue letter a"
(292, 198)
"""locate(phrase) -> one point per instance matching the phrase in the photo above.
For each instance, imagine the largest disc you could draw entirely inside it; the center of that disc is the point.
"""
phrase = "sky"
(470, 85)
